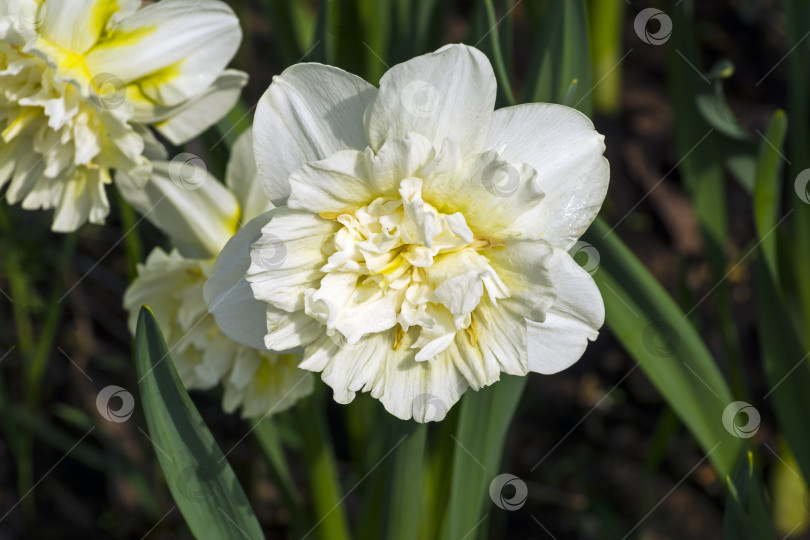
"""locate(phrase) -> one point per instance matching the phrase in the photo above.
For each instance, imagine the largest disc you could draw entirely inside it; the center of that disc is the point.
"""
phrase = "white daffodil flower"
(199, 215)
(423, 243)
(81, 80)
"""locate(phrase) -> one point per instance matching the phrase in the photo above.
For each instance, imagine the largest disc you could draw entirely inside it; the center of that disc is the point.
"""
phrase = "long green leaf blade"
(746, 516)
(562, 55)
(405, 481)
(479, 440)
(654, 330)
(786, 367)
(767, 188)
(201, 481)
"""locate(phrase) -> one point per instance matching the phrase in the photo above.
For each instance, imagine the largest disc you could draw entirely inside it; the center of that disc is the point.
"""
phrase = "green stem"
(405, 481)
(266, 433)
(330, 513)
(500, 66)
(132, 241)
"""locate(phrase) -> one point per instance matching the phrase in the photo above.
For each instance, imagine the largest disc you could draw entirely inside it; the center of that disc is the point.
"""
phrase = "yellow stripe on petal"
(123, 38)
(100, 15)
(23, 120)
(152, 85)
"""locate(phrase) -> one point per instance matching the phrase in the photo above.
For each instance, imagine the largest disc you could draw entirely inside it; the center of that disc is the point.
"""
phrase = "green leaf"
(797, 21)
(701, 169)
(741, 162)
(327, 499)
(201, 481)
(788, 494)
(768, 188)
(479, 441)
(712, 104)
(561, 55)
(746, 516)
(654, 330)
(500, 66)
(405, 481)
(267, 432)
(605, 18)
(786, 367)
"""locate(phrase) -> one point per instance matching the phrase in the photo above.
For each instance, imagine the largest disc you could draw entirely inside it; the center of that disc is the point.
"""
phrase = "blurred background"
(601, 451)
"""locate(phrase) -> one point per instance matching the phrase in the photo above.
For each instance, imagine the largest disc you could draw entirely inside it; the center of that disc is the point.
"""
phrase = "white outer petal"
(194, 116)
(574, 319)
(309, 112)
(228, 294)
(562, 145)
(77, 24)
(242, 177)
(447, 93)
(199, 220)
(193, 39)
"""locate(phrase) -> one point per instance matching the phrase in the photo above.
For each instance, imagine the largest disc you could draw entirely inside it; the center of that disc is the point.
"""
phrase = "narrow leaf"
(405, 481)
(746, 516)
(201, 481)
(479, 441)
(768, 188)
(654, 330)
(786, 366)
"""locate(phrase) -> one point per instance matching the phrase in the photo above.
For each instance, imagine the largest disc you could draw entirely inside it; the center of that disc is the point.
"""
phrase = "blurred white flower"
(81, 80)
(423, 243)
(199, 218)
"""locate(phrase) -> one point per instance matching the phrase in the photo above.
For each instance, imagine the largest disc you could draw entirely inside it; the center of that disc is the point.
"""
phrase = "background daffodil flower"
(82, 81)
(199, 215)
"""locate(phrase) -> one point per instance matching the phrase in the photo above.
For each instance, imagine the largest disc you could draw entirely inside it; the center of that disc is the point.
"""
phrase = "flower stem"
(327, 501)
(500, 66)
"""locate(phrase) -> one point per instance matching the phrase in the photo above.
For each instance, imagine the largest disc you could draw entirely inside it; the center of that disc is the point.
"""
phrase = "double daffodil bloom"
(422, 245)
(81, 81)
(199, 215)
